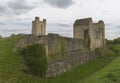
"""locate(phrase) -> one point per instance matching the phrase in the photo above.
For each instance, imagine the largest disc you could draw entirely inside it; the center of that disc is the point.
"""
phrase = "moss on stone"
(62, 46)
(88, 42)
(54, 49)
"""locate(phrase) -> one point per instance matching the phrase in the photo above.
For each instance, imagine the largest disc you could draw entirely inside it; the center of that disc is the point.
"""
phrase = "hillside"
(109, 74)
(104, 69)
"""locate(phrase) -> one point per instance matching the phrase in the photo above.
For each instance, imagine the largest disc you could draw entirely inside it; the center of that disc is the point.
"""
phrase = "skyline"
(17, 15)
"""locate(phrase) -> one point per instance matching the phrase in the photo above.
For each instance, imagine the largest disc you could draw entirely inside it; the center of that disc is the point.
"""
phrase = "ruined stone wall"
(74, 52)
(64, 49)
(97, 36)
(78, 31)
(101, 25)
(91, 34)
(62, 65)
(96, 33)
(57, 44)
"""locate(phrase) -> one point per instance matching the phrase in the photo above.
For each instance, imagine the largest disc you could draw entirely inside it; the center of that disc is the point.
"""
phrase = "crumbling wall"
(57, 44)
(60, 66)
(68, 52)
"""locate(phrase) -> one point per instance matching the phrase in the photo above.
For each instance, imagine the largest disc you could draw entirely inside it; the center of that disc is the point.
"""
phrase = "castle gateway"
(85, 29)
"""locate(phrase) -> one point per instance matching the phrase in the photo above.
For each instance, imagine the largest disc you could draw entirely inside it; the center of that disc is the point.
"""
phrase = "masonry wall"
(92, 36)
(78, 31)
(60, 66)
(96, 33)
(68, 52)
(101, 25)
(97, 36)
(75, 52)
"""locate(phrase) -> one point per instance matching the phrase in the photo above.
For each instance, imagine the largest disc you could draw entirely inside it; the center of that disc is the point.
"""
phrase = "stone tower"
(102, 27)
(81, 28)
(38, 27)
(85, 28)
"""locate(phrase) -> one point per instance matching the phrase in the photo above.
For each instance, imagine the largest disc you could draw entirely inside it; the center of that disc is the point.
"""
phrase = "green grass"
(12, 66)
(115, 48)
(109, 74)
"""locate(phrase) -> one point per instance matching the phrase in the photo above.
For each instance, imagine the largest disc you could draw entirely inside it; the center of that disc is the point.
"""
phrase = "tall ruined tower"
(85, 28)
(102, 36)
(81, 28)
(38, 27)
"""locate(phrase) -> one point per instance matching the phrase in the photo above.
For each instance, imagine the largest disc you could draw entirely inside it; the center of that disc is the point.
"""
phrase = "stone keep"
(38, 27)
(84, 28)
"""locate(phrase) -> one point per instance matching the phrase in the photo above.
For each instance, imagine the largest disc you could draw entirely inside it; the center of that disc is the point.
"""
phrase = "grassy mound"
(109, 74)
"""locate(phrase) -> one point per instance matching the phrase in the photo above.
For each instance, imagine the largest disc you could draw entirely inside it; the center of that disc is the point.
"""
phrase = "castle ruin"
(85, 29)
(65, 53)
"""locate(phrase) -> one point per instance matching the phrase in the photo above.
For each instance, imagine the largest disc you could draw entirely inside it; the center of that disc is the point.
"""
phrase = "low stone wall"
(60, 66)
(56, 44)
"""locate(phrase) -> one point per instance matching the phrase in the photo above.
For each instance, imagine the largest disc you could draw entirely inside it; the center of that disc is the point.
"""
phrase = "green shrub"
(35, 58)
(116, 41)
(12, 35)
(109, 41)
(114, 47)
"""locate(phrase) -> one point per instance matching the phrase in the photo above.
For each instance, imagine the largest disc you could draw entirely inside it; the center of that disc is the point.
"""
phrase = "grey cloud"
(60, 24)
(14, 30)
(1, 23)
(60, 3)
(117, 26)
(20, 6)
(112, 35)
(64, 25)
(3, 10)
(64, 29)
(109, 24)
(22, 19)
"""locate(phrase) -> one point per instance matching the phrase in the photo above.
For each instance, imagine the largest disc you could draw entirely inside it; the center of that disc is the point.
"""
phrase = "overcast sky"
(16, 15)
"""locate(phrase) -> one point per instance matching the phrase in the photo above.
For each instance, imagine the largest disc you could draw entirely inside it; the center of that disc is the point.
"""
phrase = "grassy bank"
(110, 73)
